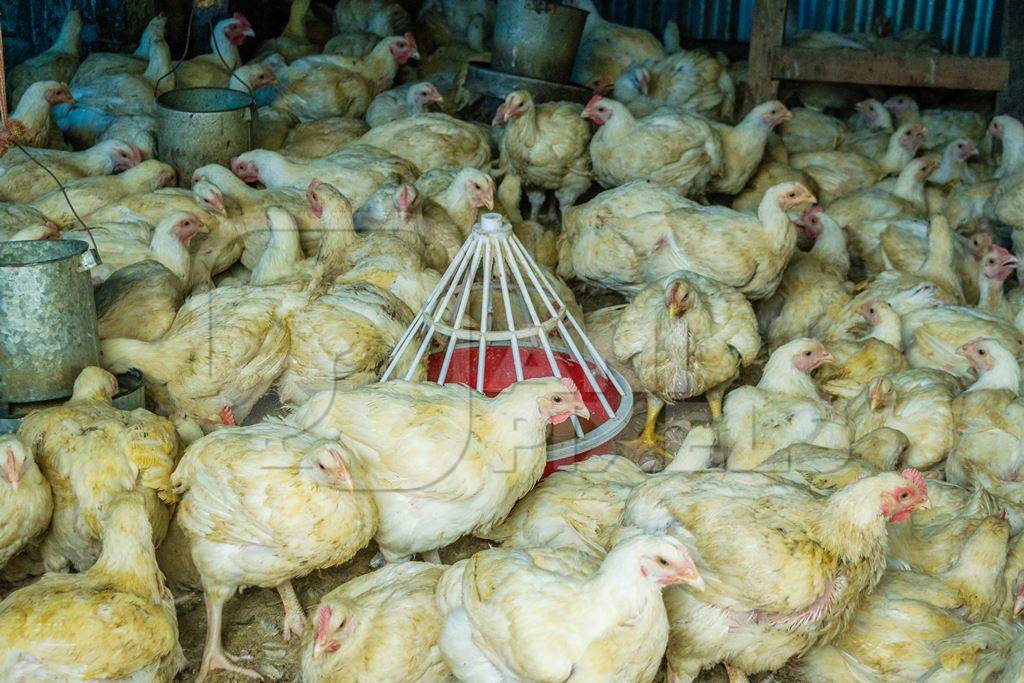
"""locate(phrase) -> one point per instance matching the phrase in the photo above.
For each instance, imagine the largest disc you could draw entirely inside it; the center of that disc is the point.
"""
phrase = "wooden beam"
(867, 68)
(766, 33)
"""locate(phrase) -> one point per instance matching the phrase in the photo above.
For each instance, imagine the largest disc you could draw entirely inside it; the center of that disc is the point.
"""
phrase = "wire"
(184, 53)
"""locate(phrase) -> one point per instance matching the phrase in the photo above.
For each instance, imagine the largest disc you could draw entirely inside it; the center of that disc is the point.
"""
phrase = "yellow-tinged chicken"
(909, 629)
(91, 452)
(25, 500)
(668, 147)
(784, 408)
(743, 145)
(57, 63)
(934, 337)
(31, 124)
(830, 469)
(942, 126)
(23, 180)
(461, 192)
(322, 137)
(223, 351)
(607, 49)
(98, 64)
(402, 102)
(808, 130)
(549, 615)
(357, 170)
(215, 67)
(293, 43)
(545, 145)
(685, 335)
(381, 626)
(813, 288)
(918, 403)
(21, 222)
(90, 194)
(539, 241)
(858, 361)
(787, 573)
(771, 172)
(430, 141)
(404, 433)
(598, 243)
(133, 94)
(263, 505)
(687, 80)
(113, 622)
(989, 418)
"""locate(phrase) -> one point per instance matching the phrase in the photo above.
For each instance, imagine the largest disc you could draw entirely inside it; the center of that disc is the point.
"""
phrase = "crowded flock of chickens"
(834, 284)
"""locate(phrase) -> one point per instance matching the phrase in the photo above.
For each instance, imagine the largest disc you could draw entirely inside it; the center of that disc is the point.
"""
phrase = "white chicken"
(25, 500)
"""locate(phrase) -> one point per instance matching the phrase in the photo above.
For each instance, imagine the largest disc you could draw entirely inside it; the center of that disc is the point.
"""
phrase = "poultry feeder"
(494, 319)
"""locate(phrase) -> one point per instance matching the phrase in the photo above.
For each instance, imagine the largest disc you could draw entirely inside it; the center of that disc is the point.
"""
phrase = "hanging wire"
(184, 52)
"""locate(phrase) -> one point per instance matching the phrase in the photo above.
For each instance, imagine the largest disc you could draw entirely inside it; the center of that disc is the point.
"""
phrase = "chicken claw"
(294, 619)
(221, 661)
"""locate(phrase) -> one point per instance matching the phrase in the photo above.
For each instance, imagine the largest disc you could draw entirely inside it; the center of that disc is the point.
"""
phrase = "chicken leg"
(294, 619)
(715, 397)
(536, 198)
(649, 439)
(214, 656)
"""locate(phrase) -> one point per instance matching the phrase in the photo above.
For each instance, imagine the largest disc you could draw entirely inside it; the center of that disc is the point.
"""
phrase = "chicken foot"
(715, 396)
(214, 656)
(735, 675)
(649, 441)
(294, 618)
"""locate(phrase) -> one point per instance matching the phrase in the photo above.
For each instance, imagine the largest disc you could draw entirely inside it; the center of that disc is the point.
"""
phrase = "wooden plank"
(1011, 100)
(916, 71)
(766, 34)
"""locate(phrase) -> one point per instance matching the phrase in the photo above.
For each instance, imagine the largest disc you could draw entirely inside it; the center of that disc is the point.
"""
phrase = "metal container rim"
(162, 100)
(79, 247)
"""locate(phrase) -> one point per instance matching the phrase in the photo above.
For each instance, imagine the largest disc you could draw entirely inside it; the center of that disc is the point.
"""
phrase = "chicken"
(402, 102)
(130, 94)
(808, 130)
(369, 15)
(289, 507)
(380, 626)
(20, 222)
(685, 335)
(223, 351)
(322, 138)
(31, 123)
(91, 452)
(784, 408)
(545, 145)
(907, 630)
(461, 192)
(607, 49)
(430, 141)
(789, 573)
(140, 299)
(23, 180)
(113, 622)
(445, 22)
(214, 68)
(545, 615)
(293, 43)
(838, 173)
(90, 194)
(933, 337)
(357, 170)
(668, 147)
(689, 80)
(25, 499)
(988, 418)
(942, 126)
(124, 244)
(744, 144)
(813, 287)
(830, 469)
(858, 361)
(99, 64)
(769, 173)
(58, 63)
(320, 86)
(918, 403)
(404, 431)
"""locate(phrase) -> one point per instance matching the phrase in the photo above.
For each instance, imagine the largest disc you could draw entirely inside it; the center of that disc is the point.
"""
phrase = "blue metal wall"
(967, 27)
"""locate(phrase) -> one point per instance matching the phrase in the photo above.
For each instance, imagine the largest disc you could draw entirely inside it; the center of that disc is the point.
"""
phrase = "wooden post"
(1011, 100)
(767, 32)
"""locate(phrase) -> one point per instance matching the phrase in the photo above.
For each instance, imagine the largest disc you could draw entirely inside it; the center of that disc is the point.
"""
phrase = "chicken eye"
(904, 495)
(871, 310)
(791, 195)
(557, 399)
(662, 561)
(981, 352)
(807, 353)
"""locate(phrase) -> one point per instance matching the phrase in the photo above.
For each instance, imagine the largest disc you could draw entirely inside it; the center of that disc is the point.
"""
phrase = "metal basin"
(537, 39)
(47, 319)
(131, 394)
(200, 126)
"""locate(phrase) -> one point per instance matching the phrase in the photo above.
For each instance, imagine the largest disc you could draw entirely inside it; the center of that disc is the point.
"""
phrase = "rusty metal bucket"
(47, 319)
(537, 38)
(200, 126)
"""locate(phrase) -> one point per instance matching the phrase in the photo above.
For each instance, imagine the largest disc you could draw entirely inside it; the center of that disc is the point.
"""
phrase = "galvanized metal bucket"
(537, 38)
(200, 126)
(47, 319)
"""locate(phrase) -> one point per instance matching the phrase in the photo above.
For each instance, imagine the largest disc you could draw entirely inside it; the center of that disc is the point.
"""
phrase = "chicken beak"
(500, 116)
(581, 410)
(1018, 607)
(11, 469)
(828, 359)
(689, 576)
(249, 33)
(926, 505)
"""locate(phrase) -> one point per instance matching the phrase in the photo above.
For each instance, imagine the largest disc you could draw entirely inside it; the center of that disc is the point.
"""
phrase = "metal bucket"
(200, 126)
(537, 39)
(47, 319)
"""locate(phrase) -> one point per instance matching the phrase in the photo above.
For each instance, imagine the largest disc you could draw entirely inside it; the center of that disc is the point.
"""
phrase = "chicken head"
(209, 197)
(599, 109)
(964, 148)
(979, 353)
(998, 264)
(900, 105)
(328, 467)
(773, 113)
(424, 94)
(923, 168)
(911, 136)
(94, 383)
(249, 171)
(678, 298)
(188, 227)
(516, 103)
(59, 94)
(666, 561)
(869, 111)
(810, 354)
(479, 186)
(558, 405)
(904, 497)
(810, 223)
(316, 205)
(788, 196)
(125, 156)
(15, 454)
(331, 628)
(405, 200)
(403, 48)
(238, 29)
(979, 244)
(881, 393)
(870, 311)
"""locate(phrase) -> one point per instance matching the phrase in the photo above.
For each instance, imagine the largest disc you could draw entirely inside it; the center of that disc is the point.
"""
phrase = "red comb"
(411, 39)
(594, 100)
(323, 622)
(240, 18)
(916, 478)
(315, 182)
(570, 385)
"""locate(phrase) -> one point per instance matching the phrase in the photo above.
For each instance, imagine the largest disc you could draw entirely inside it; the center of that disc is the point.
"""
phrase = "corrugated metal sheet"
(967, 27)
